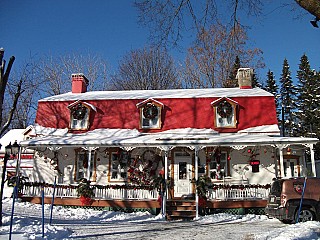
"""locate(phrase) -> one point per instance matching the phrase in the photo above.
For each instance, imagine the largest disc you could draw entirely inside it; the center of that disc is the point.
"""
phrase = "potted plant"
(12, 181)
(202, 185)
(85, 192)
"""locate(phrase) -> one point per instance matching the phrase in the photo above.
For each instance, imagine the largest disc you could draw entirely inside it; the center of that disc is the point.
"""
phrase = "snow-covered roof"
(85, 103)
(10, 137)
(160, 94)
(182, 137)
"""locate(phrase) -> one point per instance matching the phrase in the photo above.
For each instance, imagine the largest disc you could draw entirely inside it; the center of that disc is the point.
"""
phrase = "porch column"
(275, 163)
(196, 157)
(281, 147)
(165, 194)
(313, 162)
(89, 164)
(305, 173)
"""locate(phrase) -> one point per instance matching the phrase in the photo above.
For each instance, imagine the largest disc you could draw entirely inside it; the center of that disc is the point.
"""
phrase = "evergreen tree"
(272, 87)
(308, 99)
(232, 81)
(255, 81)
(287, 97)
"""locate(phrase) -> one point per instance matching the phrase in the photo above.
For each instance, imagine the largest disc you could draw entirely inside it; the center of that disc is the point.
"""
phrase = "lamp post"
(10, 150)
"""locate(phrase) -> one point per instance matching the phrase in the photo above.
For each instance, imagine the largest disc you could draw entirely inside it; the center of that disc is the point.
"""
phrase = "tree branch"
(13, 108)
(312, 6)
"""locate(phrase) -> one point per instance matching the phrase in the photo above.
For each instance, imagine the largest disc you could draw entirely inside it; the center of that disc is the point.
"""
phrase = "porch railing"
(101, 192)
(238, 192)
(215, 192)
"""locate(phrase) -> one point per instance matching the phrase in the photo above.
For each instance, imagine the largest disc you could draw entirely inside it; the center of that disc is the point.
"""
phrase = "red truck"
(285, 198)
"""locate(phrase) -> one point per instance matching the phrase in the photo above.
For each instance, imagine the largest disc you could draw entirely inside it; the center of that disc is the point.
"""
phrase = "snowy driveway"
(173, 230)
(80, 223)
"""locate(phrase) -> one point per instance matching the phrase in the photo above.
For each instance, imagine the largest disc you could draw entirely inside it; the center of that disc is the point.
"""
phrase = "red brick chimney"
(244, 77)
(79, 83)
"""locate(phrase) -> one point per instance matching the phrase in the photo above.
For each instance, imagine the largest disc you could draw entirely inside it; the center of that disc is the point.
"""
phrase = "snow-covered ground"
(79, 223)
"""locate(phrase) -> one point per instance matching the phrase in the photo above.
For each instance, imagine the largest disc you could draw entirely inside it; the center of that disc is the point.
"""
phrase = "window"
(182, 170)
(225, 113)
(218, 165)
(150, 114)
(83, 166)
(80, 115)
(119, 166)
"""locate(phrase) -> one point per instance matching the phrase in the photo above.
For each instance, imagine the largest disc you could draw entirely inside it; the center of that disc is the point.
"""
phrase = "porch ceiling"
(132, 138)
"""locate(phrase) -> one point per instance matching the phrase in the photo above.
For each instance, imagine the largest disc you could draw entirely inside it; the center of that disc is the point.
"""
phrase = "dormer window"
(80, 115)
(225, 113)
(150, 114)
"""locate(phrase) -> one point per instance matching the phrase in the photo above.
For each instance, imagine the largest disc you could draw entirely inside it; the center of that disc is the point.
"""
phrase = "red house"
(140, 147)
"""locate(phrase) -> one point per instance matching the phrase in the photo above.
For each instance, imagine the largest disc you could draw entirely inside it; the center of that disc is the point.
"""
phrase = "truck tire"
(306, 214)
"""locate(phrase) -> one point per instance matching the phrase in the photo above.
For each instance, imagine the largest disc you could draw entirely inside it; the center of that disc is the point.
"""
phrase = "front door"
(182, 176)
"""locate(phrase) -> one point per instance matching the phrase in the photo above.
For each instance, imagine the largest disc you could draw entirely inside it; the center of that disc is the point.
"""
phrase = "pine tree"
(255, 81)
(232, 81)
(287, 97)
(272, 87)
(308, 99)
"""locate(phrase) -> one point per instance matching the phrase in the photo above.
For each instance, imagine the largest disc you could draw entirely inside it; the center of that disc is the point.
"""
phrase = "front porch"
(123, 168)
(131, 198)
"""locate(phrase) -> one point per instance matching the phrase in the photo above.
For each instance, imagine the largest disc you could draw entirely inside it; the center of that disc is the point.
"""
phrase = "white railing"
(216, 192)
(101, 192)
(245, 192)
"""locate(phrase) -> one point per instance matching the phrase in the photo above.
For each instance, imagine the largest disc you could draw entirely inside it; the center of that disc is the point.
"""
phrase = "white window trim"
(82, 168)
(117, 170)
(223, 122)
(152, 123)
(222, 160)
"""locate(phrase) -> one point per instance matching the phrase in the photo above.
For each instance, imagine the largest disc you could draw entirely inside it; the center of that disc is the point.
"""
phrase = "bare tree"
(55, 72)
(47, 76)
(312, 6)
(210, 61)
(25, 111)
(148, 68)
(169, 20)
(4, 78)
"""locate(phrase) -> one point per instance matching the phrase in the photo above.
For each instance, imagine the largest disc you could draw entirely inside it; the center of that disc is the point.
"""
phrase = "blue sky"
(109, 28)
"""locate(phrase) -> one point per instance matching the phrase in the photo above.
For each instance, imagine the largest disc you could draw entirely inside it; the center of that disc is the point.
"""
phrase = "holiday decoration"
(224, 109)
(143, 170)
(110, 186)
(85, 191)
(150, 111)
(253, 162)
(79, 111)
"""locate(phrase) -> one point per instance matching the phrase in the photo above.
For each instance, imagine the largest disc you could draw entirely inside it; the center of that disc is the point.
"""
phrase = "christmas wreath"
(79, 112)
(224, 109)
(150, 111)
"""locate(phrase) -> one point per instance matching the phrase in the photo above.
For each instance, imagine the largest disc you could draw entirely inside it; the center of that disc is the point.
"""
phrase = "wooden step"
(180, 210)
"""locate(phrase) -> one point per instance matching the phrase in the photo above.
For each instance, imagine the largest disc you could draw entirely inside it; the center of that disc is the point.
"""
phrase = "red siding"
(177, 113)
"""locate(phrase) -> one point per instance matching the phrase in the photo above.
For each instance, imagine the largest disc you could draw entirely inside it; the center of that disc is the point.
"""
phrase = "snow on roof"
(40, 130)
(160, 94)
(262, 129)
(223, 98)
(133, 138)
(147, 101)
(10, 137)
(85, 103)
